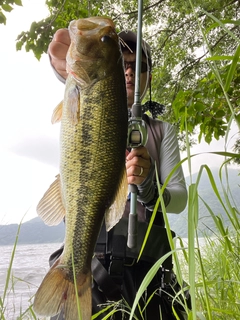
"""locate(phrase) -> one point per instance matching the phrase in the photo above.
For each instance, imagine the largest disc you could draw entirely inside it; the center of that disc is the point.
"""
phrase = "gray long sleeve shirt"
(162, 145)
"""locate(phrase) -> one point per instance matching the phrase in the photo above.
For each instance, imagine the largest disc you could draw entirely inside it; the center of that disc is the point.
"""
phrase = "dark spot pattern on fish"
(97, 184)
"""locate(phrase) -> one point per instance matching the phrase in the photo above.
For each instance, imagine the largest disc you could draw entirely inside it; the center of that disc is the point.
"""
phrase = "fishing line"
(148, 70)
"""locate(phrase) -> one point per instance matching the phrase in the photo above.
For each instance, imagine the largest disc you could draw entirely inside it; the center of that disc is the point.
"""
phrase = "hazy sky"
(29, 142)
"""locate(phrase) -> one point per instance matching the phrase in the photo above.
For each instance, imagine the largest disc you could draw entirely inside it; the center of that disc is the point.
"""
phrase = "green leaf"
(208, 137)
(232, 69)
(237, 119)
(18, 2)
(2, 18)
(7, 7)
(217, 58)
(19, 45)
(219, 22)
(199, 106)
(226, 21)
(220, 114)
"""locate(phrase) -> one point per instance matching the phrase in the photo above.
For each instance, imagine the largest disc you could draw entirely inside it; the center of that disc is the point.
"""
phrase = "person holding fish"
(117, 275)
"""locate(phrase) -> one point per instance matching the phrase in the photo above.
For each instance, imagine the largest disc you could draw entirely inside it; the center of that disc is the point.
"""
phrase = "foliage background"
(184, 56)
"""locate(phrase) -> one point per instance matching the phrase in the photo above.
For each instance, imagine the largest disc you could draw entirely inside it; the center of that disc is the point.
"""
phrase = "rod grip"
(132, 230)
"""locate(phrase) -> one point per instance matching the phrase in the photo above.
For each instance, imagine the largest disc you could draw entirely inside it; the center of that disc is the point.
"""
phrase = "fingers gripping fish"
(92, 184)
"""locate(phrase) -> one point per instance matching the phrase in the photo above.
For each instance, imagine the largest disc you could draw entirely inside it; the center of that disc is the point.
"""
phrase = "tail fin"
(57, 293)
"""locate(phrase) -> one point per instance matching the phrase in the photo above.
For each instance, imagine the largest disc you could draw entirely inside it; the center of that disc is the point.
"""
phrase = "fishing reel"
(137, 130)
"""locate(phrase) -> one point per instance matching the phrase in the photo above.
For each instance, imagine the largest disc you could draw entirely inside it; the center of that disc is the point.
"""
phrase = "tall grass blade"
(222, 25)
(76, 289)
(232, 69)
(9, 272)
(192, 214)
(146, 281)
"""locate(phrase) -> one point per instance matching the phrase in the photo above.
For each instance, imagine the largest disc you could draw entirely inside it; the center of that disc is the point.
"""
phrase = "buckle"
(129, 262)
(166, 278)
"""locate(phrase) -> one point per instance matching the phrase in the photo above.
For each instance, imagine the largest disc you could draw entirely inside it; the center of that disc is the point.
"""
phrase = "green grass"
(212, 269)
(9, 291)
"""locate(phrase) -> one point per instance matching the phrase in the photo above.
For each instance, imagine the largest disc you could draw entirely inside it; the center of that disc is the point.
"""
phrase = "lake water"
(30, 265)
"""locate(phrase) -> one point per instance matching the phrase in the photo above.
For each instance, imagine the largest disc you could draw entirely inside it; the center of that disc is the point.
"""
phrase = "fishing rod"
(137, 132)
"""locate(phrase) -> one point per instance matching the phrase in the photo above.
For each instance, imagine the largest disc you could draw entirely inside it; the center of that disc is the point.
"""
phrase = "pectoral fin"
(71, 103)
(50, 208)
(57, 113)
(115, 212)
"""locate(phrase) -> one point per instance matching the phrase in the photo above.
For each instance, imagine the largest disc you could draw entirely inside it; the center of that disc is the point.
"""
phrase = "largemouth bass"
(92, 184)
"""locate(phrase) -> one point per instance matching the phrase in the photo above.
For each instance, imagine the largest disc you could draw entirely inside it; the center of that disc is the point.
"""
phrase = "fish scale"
(92, 185)
(88, 150)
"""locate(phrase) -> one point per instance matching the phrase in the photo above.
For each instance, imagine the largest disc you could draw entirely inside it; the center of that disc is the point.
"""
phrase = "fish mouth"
(93, 23)
(94, 50)
(98, 28)
(92, 26)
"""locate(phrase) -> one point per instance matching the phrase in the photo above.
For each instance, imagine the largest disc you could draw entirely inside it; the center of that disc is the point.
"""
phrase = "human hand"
(57, 51)
(138, 163)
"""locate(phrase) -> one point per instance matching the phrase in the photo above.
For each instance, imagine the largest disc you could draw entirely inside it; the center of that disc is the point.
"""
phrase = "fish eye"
(105, 38)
